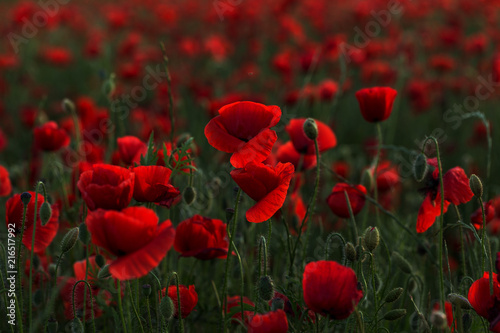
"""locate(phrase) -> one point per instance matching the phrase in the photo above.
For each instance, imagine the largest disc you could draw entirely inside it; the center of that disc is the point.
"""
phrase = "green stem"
(375, 299)
(120, 306)
(20, 270)
(484, 239)
(179, 307)
(375, 170)
(91, 302)
(353, 220)
(133, 306)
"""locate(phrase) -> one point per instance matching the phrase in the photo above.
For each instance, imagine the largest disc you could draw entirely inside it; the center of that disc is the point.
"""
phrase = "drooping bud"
(350, 252)
(395, 314)
(109, 86)
(367, 179)
(69, 240)
(146, 290)
(277, 304)
(310, 128)
(266, 288)
(52, 270)
(459, 301)
(167, 307)
(402, 263)
(100, 261)
(84, 234)
(393, 295)
(420, 167)
(26, 198)
(52, 325)
(68, 106)
(189, 195)
(77, 326)
(476, 186)
(45, 213)
(104, 273)
(438, 319)
(371, 238)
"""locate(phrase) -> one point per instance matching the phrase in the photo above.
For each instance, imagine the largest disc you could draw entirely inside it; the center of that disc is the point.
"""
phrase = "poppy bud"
(189, 195)
(100, 261)
(476, 186)
(402, 263)
(84, 234)
(146, 290)
(77, 326)
(395, 314)
(420, 167)
(266, 288)
(310, 128)
(371, 238)
(52, 325)
(438, 319)
(45, 213)
(68, 106)
(182, 139)
(467, 320)
(393, 295)
(26, 198)
(69, 240)
(350, 252)
(459, 301)
(367, 179)
(167, 307)
(109, 86)
(277, 304)
(52, 270)
(104, 273)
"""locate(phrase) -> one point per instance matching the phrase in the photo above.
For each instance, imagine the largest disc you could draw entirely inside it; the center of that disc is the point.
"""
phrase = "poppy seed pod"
(77, 326)
(311, 129)
(69, 240)
(476, 186)
(393, 295)
(420, 167)
(438, 319)
(266, 288)
(189, 195)
(167, 307)
(395, 314)
(45, 213)
(371, 238)
(25, 198)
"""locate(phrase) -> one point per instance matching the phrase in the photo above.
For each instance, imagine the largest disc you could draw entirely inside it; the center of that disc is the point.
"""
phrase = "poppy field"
(249, 166)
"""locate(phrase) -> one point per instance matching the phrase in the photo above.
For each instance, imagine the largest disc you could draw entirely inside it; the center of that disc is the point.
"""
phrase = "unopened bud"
(420, 167)
(395, 314)
(167, 307)
(393, 295)
(367, 179)
(109, 86)
(146, 290)
(26, 198)
(311, 129)
(438, 319)
(68, 106)
(104, 273)
(350, 252)
(266, 288)
(189, 195)
(69, 240)
(476, 186)
(402, 263)
(277, 304)
(45, 213)
(77, 326)
(100, 261)
(371, 238)
(84, 234)
(459, 301)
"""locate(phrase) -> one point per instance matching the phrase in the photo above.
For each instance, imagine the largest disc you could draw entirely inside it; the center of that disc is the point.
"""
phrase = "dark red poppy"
(106, 186)
(49, 137)
(201, 237)
(287, 153)
(476, 218)
(5, 185)
(304, 145)
(189, 299)
(376, 103)
(134, 236)
(152, 185)
(328, 89)
(330, 289)
(128, 147)
(44, 234)
(265, 184)
(387, 176)
(456, 191)
(338, 204)
(271, 322)
(3, 140)
(243, 128)
(233, 302)
(486, 305)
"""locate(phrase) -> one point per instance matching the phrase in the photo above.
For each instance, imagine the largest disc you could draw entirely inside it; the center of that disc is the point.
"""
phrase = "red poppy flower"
(106, 186)
(287, 153)
(330, 289)
(304, 145)
(49, 137)
(134, 236)
(44, 234)
(476, 218)
(265, 184)
(486, 305)
(456, 191)
(271, 322)
(387, 176)
(67, 297)
(151, 185)
(338, 204)
(328, 89)
(128, 147)
(5, 185)
(233, 302)
(243, 128)
(201, 237)
(189, 299)
(376, 103)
